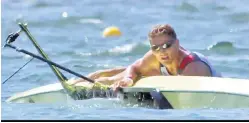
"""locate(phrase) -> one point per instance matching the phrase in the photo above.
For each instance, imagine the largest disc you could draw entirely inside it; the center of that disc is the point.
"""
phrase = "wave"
(64, 21)
(223, 45)
(185, 6)
(9, 56)
(242, 17)
(223, 49)
(220, 48)
(44, 4)
(128, 49)
(220, 8)
(135, 49)
(91, 21)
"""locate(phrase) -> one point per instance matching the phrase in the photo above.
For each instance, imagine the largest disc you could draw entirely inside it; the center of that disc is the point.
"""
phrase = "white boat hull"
(51, 93)
(183, 100)
(179, 92)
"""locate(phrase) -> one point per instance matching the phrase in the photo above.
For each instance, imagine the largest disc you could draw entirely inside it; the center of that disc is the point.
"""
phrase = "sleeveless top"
(192, 57)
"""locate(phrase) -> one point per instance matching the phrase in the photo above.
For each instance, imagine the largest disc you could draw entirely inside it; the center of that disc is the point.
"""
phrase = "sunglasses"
(157, 48)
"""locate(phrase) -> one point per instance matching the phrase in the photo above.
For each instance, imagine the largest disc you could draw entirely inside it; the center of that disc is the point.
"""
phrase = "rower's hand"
(125, 82)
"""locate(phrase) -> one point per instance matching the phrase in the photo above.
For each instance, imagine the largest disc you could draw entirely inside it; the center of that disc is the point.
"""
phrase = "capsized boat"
(164, 92)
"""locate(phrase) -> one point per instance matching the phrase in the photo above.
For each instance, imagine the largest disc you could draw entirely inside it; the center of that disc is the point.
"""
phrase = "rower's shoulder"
(149, 56)
(196, 68)
(150, 59)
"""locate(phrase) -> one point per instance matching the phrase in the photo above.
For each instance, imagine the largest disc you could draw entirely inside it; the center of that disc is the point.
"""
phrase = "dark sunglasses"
(157, 48)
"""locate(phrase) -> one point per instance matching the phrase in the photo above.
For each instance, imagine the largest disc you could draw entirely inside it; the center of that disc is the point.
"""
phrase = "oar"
(59, 75)
(71, 90)
(49, 62)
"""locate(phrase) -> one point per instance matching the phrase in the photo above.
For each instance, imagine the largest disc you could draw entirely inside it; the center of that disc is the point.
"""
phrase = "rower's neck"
(174, 66)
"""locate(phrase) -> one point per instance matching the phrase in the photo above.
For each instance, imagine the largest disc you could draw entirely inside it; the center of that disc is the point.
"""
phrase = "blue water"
(70, 33)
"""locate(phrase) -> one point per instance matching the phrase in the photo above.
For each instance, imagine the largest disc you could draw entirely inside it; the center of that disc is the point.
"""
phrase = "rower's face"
(165, 48)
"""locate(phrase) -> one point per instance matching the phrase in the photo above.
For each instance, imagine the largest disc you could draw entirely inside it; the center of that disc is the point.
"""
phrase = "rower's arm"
(140, 67)
(133, 70)
(106, 73)
(102, 73)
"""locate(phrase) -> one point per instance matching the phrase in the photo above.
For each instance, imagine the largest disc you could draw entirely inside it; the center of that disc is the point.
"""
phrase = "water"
(70, 33)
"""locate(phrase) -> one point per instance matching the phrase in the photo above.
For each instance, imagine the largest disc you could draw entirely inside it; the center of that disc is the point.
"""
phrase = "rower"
(165, 57)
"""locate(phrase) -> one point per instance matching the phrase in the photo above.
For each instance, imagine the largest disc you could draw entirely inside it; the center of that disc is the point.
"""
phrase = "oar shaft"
(59, 75)
(50, 62)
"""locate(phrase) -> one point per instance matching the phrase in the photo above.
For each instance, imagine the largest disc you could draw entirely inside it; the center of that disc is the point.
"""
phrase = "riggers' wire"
(18, 70)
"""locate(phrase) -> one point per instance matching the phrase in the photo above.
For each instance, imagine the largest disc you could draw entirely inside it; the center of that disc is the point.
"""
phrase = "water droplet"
(64, 14)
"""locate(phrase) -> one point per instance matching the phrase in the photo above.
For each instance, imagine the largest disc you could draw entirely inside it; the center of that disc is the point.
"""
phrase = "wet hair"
(162, 29)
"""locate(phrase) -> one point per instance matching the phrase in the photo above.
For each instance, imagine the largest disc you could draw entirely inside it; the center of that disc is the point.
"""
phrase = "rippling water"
(70, 33)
